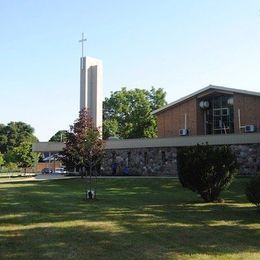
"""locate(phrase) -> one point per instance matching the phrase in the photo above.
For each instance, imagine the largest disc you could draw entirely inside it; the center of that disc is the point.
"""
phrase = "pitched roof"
(210, 87)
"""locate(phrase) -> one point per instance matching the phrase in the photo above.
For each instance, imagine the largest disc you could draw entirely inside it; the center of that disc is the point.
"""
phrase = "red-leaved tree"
(84, 148)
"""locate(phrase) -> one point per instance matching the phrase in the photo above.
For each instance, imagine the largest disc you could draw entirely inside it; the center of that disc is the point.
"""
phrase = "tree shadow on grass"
(131, 217)
(132, 241)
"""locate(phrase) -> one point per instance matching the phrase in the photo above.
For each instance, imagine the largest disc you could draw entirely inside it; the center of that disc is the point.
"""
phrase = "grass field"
(131, 219)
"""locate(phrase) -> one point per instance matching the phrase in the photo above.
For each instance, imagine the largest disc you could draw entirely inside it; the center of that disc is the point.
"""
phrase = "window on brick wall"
(219, 115)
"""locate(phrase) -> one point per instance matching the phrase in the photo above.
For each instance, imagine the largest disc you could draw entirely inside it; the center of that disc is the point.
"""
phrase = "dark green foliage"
(128, 113)
(24, 157)
(253, 191)
(1, 160)
(14, 134)
(16, 139)
(60, 136)
(206, 169)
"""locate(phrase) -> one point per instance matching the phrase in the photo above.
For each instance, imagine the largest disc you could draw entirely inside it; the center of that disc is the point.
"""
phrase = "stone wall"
(157, 156)
(162, 161)
(141, 161)
(248, 157)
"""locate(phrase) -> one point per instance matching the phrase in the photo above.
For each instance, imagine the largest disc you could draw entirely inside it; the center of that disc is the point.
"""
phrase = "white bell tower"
(91, 86)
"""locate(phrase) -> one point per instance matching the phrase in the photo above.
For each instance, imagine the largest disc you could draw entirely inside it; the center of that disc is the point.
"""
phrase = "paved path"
(45, 177)
(39, 177)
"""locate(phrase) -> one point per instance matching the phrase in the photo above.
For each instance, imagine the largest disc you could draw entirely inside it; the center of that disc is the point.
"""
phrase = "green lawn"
(131, 219)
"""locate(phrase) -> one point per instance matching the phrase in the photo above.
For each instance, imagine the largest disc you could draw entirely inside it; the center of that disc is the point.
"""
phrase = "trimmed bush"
(253, 191)
(206, 169)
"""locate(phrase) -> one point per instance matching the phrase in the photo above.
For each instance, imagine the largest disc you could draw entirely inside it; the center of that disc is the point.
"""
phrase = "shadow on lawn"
(135, 242)
(149, 218)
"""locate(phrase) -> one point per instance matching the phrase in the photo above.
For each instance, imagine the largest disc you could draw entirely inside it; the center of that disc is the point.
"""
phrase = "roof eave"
(218, 88)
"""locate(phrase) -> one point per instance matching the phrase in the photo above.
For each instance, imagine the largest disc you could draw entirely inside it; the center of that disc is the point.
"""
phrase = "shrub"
(206, 169)
(10, 167)
(253, 191)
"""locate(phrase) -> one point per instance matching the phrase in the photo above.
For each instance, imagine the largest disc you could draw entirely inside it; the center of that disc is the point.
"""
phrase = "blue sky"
(180, 46)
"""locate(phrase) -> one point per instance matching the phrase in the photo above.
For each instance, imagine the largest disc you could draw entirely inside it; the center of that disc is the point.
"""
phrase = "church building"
(210, 111)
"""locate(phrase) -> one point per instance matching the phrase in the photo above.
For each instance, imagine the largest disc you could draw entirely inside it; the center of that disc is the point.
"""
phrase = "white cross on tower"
(82, 43)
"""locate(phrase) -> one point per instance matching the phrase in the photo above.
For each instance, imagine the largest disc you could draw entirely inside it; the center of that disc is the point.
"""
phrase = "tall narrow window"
(163, 157)
(129, 156)
(145, 158)
(113, 156)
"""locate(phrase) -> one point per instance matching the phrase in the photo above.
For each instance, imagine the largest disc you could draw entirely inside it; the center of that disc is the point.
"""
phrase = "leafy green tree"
(3, 139)
(110, 128)
(1, 160)
(9, 156)
(12, 139)
(24, 155)
(84, 146)
(127, 113)
(157, 98)
(11, 167)
(14, 134)
(60, 136)
(206, 169)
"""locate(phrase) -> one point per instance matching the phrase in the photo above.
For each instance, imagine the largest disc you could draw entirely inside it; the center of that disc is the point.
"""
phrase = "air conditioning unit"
(250, 128)
(183, 132)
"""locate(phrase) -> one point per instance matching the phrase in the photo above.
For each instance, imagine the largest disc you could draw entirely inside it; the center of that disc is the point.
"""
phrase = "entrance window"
(219, 117)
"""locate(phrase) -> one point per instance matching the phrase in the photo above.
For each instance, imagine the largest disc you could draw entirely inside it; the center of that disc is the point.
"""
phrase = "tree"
(110, 128)
(206, 169)
(3, 138)
(60, 136)
(127, 113)
(1, 160)
(84, 146)
(69, 155)
(24, 155)
(12, 138)
(15, 133)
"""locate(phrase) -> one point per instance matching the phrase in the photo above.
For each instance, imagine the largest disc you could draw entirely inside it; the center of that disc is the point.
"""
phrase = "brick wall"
(170, 121)
(42, 165)
(249, 110)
